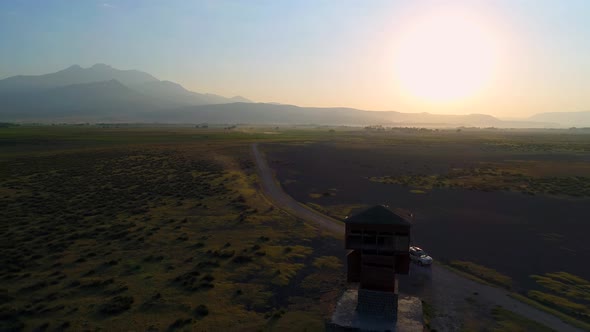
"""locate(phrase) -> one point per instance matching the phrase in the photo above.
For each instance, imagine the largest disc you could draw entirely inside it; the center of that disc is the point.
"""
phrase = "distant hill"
(564, 119)
(261, 113)
(177, 93)
(97, 100)
(102, 93)
(98, 91)
(264, 113)
(73, 75)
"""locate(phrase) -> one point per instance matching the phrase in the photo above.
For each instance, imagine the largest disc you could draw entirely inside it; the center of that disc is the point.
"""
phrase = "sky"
(508, 58)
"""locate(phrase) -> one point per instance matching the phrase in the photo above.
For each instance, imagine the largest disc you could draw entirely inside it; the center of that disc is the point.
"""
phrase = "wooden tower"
(379, 243)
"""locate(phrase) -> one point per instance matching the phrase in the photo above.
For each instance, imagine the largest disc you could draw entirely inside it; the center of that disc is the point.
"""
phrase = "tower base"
(364, 310)
(376, 303)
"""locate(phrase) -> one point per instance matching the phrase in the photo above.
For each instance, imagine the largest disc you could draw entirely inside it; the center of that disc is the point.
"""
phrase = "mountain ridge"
(265, 113)
(88, 100)
(71, 75)
(573, 119)
(132, 78)
(102, 92)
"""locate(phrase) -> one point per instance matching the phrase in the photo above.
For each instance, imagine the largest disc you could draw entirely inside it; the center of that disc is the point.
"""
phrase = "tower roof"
(378, 214)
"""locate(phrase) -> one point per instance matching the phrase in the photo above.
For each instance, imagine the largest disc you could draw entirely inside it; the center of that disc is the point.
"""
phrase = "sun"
(445, 57)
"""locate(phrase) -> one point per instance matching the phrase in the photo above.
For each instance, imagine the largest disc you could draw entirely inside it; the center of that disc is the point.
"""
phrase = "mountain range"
(102, 93)
(563, 119)
(98, 93)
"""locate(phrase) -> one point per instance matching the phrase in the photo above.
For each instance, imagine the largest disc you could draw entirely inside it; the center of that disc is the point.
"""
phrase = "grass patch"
(338, 211)
(489, 275)
(564, 292)
(509, 321)
(317, 207)
(565, 284)
(494, 177)
(562, 303)
(427, 313)
(295, 321)
(566, 318)
(417, 191)
(327, 262)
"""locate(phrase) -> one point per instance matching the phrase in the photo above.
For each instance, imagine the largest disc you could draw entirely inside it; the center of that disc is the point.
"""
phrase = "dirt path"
(447, 291)
(274, 192)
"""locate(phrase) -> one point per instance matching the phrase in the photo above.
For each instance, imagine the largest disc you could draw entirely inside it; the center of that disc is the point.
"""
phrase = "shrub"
(263, 239)
(201, 311)
(206, 264)
(117, 305)
(180, 323)
(241, 259)
(42, 327)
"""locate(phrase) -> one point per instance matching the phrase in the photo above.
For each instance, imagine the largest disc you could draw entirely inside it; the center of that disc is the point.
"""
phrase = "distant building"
(379, 240)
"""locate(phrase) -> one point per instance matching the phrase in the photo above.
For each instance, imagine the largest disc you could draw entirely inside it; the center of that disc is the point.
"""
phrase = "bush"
(9, 321)
(241, 259)
(179, 323)
(117, 305)
(201, 311)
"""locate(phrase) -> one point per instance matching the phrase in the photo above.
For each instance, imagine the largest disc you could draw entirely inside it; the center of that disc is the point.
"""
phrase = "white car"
(420, 256)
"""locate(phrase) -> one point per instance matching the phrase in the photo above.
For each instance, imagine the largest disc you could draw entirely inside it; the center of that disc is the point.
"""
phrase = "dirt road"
(454, 296)
(451, 295)
(274, 192)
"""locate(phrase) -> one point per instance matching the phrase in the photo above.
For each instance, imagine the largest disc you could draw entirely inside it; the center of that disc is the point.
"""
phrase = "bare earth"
(450, 294)
(274, 192)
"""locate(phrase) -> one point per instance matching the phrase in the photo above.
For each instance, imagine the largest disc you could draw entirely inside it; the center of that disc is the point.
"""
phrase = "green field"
(152, 229)
(164, 228)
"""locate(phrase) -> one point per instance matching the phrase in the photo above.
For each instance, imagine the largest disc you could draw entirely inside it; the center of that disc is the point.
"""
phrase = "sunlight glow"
(445, 57)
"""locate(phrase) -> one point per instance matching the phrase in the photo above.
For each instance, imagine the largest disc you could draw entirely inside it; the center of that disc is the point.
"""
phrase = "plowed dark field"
(514, 232)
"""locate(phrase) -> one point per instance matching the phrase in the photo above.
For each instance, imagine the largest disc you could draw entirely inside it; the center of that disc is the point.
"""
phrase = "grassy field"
(152, 229)
(124, 227)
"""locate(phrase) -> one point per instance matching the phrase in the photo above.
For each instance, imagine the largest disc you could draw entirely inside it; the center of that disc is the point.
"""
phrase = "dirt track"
(274, 192)
(446, 290)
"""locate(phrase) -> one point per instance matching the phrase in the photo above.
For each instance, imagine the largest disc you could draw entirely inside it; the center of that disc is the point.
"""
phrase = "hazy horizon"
(506, 59)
